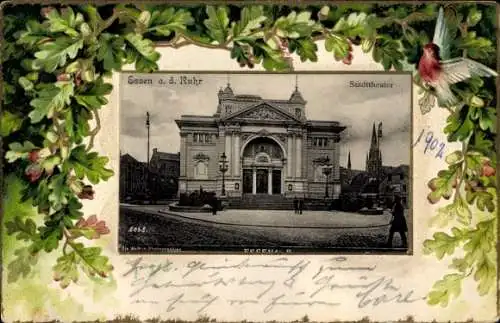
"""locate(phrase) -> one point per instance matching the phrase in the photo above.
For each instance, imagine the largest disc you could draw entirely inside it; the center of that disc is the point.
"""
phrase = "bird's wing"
(442, 36)
(460, 69)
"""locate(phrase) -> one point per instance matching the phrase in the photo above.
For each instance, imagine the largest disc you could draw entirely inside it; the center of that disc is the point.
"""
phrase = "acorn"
(63, 77)
(33, 172)
(87, 193)
(487, 170)
(323, 13)
(45, 11)
(432, 185)
(34, 156)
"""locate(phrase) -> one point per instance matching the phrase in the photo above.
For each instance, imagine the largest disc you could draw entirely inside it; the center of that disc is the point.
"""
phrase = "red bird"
(440, 74)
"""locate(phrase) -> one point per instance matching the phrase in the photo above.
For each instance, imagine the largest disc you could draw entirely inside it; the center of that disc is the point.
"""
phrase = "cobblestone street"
(145, 227)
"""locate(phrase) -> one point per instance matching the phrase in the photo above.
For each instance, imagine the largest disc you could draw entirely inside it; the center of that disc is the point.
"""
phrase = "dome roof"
(297, 97)
(228, 90)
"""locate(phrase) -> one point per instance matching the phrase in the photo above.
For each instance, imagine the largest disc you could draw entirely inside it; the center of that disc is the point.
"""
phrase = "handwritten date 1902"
(432, 144)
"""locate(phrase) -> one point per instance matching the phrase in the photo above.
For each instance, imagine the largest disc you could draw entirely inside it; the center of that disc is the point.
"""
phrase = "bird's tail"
(445, 97)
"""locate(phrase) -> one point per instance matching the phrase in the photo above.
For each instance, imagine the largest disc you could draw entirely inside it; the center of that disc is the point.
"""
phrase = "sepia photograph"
(265, 163)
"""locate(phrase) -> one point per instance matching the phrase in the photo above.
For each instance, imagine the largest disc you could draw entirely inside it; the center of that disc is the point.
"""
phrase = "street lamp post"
(327, 171)
(223, 169)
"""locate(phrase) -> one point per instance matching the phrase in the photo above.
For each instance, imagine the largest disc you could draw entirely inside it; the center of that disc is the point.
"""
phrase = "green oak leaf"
(252, 18)
(74, 208)
(388, 52)
(49, 238)
(32, 35)
(66, 270)
(475, 161)
(481, 143)
(295, 25)
(463, 212)
(442, 186)
(77, 124)
(476, 47)
(92, 262)
(51, 162)
(50, 100)
(89, 165)
(54, 54)
(26, 230)
(357, 24)
(445, 289)
(444, 216)
(473, 17)
(145, 55)
(338, 45)
(443, 243)
(169, 20)
(94, 97)
(110, 51)
(26, 84)
(460, 264)
(306, 49)
(9, 123)
(217, 23)
(480, 240)
(486, 274)
(66, 21)
(486, 117)
(483, 199)
(59, 191)
(94, 19)
(273, 60)
(18, 150)
(21, 265)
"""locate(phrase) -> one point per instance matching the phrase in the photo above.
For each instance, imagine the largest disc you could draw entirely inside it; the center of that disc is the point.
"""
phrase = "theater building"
(270, 146)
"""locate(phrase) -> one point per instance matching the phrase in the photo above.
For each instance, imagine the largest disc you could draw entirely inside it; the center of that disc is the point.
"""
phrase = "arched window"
(201, 170)
(319, 176)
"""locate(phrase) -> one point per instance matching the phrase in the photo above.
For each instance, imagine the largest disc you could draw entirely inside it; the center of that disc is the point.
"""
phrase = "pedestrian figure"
(398, 222)
(214, 205)
(301, 205)
(296, 205)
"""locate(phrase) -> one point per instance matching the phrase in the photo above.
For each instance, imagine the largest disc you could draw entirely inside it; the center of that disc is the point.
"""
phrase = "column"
(236, 154)
(298, 156)
(228, 153)
(254, 181)
(183, 156)
(282, 182)
(289, 156)
(270, 181)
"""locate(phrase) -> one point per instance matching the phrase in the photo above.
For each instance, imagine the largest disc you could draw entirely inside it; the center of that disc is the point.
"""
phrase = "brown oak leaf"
(90, 228)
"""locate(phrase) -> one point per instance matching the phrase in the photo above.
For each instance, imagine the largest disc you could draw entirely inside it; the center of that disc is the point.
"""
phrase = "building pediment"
(262, 112)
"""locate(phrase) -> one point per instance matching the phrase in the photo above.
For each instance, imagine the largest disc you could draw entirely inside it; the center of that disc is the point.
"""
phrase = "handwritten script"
(265, 284)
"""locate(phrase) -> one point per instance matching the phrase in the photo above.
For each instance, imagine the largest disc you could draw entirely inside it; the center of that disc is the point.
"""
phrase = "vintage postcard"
(265, 163)
(249, 161)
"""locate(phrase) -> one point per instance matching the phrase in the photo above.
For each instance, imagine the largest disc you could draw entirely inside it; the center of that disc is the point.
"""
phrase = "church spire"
(374, 137)
(349, 160)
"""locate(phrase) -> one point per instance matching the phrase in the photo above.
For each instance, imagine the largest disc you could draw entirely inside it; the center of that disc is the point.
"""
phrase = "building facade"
(132, 175)
(270, 146)
(166, 164)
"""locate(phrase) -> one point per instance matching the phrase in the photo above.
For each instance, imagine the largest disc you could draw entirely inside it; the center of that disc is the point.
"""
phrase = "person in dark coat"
(214, 205)
(301, 205)
(398, 222)
(296, 205)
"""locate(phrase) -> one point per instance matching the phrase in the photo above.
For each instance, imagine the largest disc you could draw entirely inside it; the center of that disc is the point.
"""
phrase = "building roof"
(165, 156)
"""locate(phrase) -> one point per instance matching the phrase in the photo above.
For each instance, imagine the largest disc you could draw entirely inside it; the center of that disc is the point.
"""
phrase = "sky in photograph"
(329, 97)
